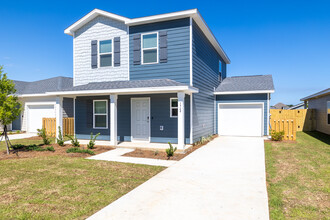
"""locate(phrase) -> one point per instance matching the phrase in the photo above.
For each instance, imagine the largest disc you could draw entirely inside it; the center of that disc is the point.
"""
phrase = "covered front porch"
(134, 117)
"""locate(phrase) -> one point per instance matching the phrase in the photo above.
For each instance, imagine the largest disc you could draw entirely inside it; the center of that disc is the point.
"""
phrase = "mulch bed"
(153, 154)
(58, 151)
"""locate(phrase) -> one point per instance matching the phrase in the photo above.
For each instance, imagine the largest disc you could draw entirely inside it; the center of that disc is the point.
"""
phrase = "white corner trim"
(268, 111)
(191, 119)
(191, 52)
(244, 92)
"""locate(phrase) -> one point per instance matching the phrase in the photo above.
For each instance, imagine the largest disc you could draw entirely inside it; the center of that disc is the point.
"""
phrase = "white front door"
(140, 119)
(240, 119)
(35, 115)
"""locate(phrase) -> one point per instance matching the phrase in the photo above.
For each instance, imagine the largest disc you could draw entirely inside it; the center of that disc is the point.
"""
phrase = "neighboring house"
(281, 106)
(298, 106)
(156, 79)
(320, 102)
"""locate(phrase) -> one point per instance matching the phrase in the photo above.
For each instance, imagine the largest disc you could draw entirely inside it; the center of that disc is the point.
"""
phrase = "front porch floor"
(134, 145)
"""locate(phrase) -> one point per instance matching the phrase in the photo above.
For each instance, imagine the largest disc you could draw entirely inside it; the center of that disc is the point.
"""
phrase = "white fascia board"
(161, 17)
(186, 89)
(244, 92)
(90, 16)
(208, 33)
(324, 92)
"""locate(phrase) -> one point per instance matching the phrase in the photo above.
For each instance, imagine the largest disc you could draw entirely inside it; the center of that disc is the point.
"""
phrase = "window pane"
(100, 121)
(174, 103)
(220, 66)
(150, 41)
(106, 60)
(174, 112)
(150, 56)
(100, 107)
(328, 119)
(328, 107)
(106, 46)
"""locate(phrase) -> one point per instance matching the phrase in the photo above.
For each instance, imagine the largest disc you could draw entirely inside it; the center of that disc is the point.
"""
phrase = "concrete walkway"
(21, 136)
(223, 180)
(116, 156)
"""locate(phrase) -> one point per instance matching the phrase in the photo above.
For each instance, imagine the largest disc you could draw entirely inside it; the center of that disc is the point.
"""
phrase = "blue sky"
(288, 39)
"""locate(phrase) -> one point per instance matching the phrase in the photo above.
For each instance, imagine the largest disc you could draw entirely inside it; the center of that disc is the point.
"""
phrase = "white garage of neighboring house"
(36, 108)
(242, 106)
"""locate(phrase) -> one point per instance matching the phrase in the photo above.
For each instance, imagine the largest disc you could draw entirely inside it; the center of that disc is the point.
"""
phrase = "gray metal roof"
(316, 95)
(126, 84)
(246, 83)
(42, 86)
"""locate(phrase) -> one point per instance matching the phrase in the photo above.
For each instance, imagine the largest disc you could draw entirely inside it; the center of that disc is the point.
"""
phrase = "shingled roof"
(246, 84)
(42, 86)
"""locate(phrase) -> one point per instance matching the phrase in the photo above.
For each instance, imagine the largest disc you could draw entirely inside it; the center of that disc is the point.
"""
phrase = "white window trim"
(172, 116)
(328, 113)
(152, 48)
(106, 114)
(99, 54)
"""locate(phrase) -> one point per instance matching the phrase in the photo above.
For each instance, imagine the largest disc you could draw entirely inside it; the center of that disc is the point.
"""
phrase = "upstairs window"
(150, 48)
(220, 70)
(100, 114)
(174, 107)
(105, 54)
(328, 111)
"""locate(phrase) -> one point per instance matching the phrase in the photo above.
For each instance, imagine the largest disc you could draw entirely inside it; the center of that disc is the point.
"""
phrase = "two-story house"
(159, 78)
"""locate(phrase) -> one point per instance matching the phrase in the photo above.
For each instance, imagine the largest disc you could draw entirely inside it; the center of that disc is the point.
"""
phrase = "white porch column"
(181, 135)
(59, 114)
(113, 119)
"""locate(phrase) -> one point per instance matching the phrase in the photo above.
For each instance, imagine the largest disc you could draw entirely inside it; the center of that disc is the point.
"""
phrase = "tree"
(10, 108)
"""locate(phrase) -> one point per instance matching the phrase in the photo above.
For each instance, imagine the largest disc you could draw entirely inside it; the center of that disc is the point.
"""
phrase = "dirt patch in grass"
(154, 154)
(23, 153)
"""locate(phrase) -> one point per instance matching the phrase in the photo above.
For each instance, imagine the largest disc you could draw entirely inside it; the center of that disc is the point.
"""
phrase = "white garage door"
(240, 119)
(35, 115)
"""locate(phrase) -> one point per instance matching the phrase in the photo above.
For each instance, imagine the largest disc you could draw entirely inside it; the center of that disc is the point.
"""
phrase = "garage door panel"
(240, 119)
(35, 115)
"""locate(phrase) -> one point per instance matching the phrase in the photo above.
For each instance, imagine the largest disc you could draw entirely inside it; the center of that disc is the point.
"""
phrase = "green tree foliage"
(10, 108)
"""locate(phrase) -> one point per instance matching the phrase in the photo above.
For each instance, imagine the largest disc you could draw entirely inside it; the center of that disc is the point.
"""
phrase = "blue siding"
(205, 78)
(178, 64)
(160, 115)
(67, 107)
(84, 112)
(240, 99)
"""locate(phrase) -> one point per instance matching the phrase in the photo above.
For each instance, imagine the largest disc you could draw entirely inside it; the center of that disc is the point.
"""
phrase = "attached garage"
(241, 119)
(35, 113)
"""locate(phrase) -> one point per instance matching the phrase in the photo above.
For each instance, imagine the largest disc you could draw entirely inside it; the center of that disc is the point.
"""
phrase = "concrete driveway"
(21, 136)
(223, 180)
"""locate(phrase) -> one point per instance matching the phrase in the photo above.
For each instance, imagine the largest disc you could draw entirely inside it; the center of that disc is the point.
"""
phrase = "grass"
(298, 174)
(23, 142)
(57, 187)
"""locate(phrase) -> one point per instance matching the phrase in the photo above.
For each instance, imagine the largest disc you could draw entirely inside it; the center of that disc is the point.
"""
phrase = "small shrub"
(203, 140)
(74, 141)
(60, 140)
(51, 148)
(91, 143)
(34, 147)
(18, 131)
(156, 152)
(18, 146)
(277, 135)
(78, 150)
(170, 151)
(42, 133)
(39, 131)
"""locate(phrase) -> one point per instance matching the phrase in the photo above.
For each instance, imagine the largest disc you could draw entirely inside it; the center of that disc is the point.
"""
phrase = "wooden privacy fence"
(286, 125)
(291, 121)
(49, 124)
(304, 117)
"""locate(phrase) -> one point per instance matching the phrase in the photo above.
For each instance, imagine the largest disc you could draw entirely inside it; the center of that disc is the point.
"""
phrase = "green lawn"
(23, 141)
(298, 177)
(57, 187)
